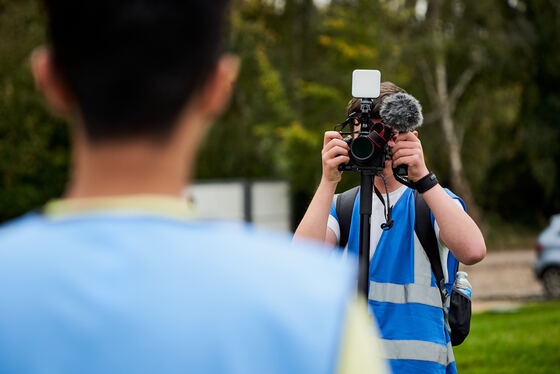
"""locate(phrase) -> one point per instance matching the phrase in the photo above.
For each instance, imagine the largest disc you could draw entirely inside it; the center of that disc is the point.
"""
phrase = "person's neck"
(392, 184)
(128, 169)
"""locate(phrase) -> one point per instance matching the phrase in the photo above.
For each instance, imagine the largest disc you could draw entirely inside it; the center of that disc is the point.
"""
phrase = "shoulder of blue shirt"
(275, 248)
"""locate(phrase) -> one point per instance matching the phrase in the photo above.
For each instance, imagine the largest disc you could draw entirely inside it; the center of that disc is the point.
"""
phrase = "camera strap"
(387, 208)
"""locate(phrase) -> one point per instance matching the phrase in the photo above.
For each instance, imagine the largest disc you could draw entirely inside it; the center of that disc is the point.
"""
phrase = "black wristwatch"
(425, 183)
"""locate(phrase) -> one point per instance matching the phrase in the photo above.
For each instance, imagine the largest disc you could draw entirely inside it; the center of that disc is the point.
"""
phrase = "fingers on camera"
(403, 152)
(408, 136)
(330, 135)
(411, 160)
(405, 144)
(337, 143)
(337, 150)
(334, 162)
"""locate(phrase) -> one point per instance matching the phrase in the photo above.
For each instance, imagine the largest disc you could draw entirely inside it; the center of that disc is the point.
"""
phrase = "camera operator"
(400, 277)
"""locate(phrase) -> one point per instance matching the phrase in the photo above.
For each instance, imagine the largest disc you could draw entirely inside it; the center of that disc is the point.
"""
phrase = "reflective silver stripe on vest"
(422, 267)
(404, 293)
(418, 350)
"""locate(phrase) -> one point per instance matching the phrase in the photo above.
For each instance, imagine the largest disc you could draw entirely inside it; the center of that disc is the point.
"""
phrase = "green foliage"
(518, 341)
(294, 84)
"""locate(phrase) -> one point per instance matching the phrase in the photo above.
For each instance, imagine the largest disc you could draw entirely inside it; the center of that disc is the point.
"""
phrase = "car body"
(547, 266)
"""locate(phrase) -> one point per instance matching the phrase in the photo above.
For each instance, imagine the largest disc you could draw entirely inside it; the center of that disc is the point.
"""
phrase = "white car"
(547, 267)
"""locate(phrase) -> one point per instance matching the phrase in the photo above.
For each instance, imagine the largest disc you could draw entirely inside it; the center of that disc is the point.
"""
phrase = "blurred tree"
(265, 132)
(34, 152)
(486, 74)
(444, 100)
(536, 57)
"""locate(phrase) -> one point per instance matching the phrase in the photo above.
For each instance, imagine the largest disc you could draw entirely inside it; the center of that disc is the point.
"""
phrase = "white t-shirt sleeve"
(335, 227)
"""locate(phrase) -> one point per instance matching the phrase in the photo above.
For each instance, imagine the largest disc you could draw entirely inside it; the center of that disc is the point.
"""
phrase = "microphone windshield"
(402, 112)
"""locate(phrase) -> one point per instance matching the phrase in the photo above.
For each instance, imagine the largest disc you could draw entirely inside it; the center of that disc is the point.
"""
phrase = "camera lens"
(362, 148)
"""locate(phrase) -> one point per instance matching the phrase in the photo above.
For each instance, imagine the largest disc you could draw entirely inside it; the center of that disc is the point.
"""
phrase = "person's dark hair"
(385, 89)
(132, 65)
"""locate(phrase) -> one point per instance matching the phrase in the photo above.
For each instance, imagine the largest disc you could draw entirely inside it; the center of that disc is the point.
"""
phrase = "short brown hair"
(385, 89)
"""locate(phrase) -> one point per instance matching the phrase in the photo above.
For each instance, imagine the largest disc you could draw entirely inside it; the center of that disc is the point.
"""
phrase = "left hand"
(408, 150)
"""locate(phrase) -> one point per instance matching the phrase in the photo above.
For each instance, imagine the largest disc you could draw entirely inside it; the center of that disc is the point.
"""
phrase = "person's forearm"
(314, 222)
(457, 230)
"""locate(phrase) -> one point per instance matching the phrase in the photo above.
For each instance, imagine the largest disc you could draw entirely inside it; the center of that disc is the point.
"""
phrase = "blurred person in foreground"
(403, 295)
(117, 276)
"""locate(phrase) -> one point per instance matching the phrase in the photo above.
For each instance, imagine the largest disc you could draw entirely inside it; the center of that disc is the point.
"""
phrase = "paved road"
(503, 280)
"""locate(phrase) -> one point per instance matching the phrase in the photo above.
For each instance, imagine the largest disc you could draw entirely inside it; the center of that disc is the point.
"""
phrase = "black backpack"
(459, 316)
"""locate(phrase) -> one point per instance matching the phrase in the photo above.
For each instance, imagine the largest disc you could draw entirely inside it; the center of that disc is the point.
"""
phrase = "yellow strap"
(133, 204)
(361, 350)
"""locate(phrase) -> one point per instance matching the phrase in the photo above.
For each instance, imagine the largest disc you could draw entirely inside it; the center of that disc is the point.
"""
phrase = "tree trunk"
(458, 181)
(446, 104)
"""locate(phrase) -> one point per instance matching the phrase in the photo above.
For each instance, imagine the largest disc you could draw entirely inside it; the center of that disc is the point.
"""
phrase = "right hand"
(334, 153)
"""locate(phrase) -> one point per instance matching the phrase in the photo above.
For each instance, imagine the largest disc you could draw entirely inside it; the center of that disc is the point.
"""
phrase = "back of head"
(132, 65)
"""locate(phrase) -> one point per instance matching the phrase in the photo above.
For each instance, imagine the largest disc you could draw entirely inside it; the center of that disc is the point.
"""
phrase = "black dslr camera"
(368, 145)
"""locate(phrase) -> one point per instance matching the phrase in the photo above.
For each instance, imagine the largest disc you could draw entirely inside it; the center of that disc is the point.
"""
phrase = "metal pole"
(247, 200)
(366, 188)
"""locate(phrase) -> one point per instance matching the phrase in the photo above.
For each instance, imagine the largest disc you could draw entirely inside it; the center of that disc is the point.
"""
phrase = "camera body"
(368, 148)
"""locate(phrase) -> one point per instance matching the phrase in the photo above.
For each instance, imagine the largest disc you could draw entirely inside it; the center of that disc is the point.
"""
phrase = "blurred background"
(486, 73)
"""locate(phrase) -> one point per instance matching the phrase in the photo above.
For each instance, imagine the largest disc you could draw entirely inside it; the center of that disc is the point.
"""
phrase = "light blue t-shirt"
(131, 291)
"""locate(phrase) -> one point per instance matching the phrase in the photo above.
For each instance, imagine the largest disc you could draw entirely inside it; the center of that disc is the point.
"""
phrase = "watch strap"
(425, 183)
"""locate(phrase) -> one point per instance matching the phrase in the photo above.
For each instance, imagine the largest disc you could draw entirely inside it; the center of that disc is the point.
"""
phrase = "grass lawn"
(525, 340)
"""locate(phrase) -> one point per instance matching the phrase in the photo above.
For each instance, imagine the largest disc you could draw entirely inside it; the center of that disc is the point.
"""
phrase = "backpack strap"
(344, 206)
(427, 237)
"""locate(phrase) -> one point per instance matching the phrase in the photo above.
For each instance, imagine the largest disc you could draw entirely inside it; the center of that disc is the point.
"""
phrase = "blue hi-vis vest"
(135, 293)
(403, 294)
